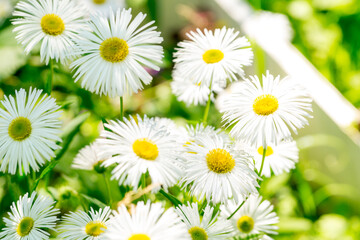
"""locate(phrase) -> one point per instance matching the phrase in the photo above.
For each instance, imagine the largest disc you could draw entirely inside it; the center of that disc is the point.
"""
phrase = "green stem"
(261, 168)
(259, 4)
(238, 208)
(143, 185)
(262, 161)
(30, 183)
(206, 113)
(108, 189)
(75, 128)
(49, 82)
(121, 108)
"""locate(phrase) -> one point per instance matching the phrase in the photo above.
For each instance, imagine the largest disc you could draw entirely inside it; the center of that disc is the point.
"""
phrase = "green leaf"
(171, 198)
(93, 200)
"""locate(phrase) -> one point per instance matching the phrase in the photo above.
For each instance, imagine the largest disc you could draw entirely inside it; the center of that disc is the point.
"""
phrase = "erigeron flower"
(214, 170)
(213, 56)
(255, 217)
(200, 131)
(207, 227)
(279, 158)
(101, 6)
(190, 92)
(89, 158)
(147, 222)
(30, 126)
(265, 113)
(85, 226)
(142, 146)
(115, 52)
(30, 218)
(52, 23)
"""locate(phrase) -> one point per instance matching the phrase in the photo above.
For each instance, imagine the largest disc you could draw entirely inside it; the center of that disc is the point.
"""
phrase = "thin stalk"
(260, 60)
(238, 208)
(143, 185)
(262, 161)
(121, 108)
(50, 80)
(30, 183)
(259, 4)
(108, 189)
(206, 113)
(261, 168)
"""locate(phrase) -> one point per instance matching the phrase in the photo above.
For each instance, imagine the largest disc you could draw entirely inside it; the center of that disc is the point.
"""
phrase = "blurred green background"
(312, 203)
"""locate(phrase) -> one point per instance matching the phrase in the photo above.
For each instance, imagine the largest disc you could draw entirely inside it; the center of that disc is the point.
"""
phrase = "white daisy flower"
(30, 218)
(168, 124)
(279, 158)
(89, 158)
(213, 56)
(30, 126)
(255, 217)
(200, 131)
(265, 113)
(141, 146)
(101, 6)
(190, 92)
(205, 227)
(81, 225)
(147, 222)
(213, 169)
(53, 23)
(115, 53)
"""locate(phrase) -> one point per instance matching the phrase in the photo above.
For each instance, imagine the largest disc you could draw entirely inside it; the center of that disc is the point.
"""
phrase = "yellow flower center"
(245, 224)
(139, 236)
(213, 56)
(52, 24)
(269, 151)
(99, 1)
(145, 149)
(20, 128)
(25, 226)
(220, 161)
(198, 233)
(95, 228)
(265, 104)
(114, 49)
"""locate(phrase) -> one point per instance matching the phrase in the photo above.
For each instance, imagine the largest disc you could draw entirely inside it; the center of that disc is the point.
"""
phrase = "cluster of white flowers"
(110, 53)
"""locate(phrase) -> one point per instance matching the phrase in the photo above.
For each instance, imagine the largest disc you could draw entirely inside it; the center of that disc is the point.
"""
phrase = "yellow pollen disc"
(99, 1)
(145, 149)
(139, 236)
(220, 161)
(269, 151)
(245, 224)
(114, 49)
(95, 228)
(20, 128)
(52, 24)
(25, 226)
(198, 233)
(265, 104)
(213, 56)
